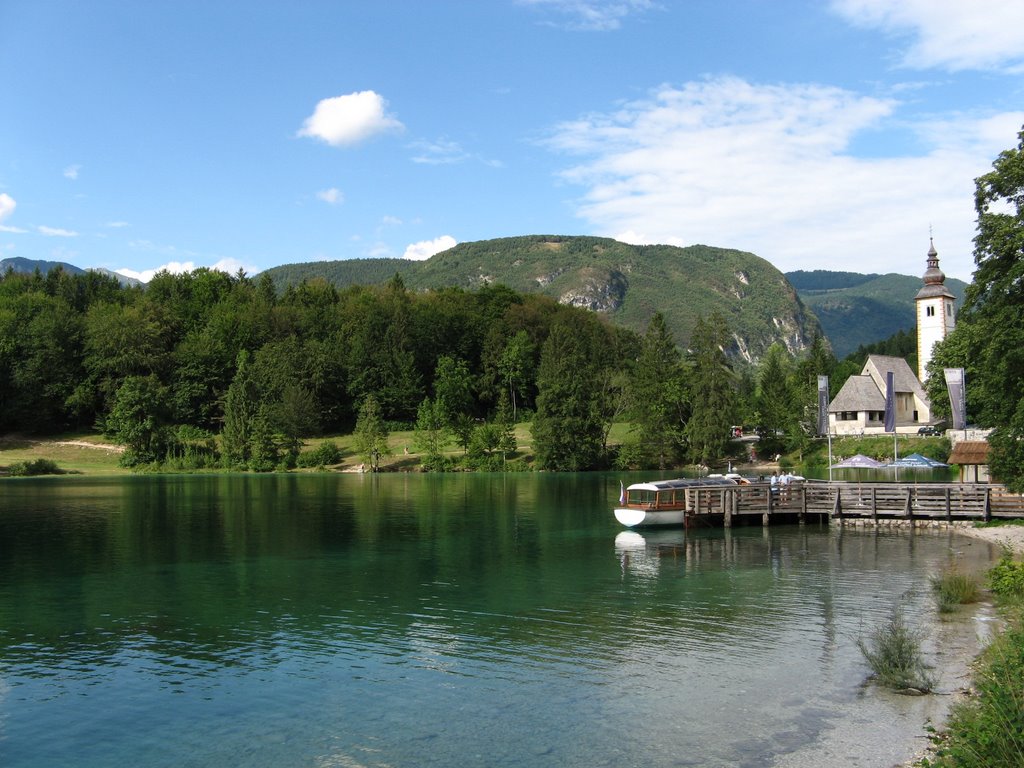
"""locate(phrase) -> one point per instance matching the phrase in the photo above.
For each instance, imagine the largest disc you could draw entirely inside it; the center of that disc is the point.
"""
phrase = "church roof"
(859, 393)
(903, 378)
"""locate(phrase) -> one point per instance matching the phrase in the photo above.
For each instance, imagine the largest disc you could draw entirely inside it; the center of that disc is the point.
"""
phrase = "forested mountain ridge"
(28, 266)
(627, 283)
(856, 309)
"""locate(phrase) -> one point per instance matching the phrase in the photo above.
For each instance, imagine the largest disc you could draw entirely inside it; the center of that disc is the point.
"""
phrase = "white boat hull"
(632, 518)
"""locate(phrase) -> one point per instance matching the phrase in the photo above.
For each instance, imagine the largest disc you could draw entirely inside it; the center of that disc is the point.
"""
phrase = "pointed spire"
(933, 275)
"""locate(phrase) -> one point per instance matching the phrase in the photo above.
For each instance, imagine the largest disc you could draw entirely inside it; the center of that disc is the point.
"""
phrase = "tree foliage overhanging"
(988, 341)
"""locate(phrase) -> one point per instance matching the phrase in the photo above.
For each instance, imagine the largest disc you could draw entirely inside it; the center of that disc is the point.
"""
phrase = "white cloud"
(7, 206)
(231, 266)
(71, 172)
(391, 221)
(55, 231)
(427, 248)
(333, 196)
(591, 15)
(439, 152)
(952, 34)
(768, 169)
(349, 119)
(117, 224)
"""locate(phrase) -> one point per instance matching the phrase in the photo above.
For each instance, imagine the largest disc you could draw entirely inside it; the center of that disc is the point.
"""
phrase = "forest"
(206, 369)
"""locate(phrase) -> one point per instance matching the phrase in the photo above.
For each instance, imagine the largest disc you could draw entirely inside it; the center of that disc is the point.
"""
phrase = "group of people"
(781, 483)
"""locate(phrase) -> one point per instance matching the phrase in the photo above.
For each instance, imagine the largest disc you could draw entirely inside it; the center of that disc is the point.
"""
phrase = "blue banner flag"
(822, 405)
(956, 383)
(890, 402)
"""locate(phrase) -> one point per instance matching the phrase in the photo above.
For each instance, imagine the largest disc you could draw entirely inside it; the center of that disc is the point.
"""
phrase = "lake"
(444, 620)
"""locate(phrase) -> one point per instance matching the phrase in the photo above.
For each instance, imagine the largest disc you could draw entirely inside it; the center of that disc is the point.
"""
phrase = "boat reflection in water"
(641, 553)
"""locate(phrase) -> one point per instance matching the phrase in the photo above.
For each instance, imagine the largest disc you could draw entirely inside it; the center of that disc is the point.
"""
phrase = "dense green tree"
(244, 419)
(712, 392)
(657, 393)
(139, 420)
(371, 434)
(516, 368)
(776, 401)
(567, 429)
(431, 434)
(989, 338)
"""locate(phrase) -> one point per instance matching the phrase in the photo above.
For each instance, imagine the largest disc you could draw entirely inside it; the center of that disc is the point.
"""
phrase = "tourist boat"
(666, 502)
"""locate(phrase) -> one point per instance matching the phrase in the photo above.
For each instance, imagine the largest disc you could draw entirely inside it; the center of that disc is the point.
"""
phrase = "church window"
(929, 311)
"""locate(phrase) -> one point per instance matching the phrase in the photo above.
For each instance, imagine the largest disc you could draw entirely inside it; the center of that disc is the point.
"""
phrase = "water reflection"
(422, 620)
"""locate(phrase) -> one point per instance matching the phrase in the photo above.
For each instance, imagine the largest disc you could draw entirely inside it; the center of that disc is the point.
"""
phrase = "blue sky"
(829, 135)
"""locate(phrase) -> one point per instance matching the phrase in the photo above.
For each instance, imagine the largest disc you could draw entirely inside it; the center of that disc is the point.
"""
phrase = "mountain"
(628, 283)
(856, 309)
(20, 264)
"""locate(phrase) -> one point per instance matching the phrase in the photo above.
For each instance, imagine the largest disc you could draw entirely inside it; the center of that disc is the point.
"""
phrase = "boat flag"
(890, 402)
(622, 493)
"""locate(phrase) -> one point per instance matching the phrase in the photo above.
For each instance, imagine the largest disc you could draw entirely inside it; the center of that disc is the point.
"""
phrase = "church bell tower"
(935, 313)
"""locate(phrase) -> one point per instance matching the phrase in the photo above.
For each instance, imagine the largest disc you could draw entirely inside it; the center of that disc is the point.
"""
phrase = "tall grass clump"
(953, 588)
(893, 651)
(987, 730)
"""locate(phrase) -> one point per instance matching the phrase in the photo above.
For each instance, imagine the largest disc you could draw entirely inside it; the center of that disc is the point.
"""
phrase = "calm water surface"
(411, 620)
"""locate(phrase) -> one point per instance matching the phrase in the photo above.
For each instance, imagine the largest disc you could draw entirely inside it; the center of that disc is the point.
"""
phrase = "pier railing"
(851, 500)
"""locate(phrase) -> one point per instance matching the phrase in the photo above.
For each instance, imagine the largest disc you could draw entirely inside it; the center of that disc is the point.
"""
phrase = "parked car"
(928, 429)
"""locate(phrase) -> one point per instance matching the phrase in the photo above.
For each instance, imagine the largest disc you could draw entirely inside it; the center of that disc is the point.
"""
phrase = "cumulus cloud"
(349, 119)
(767, 168)
(7, 206)
(590, 15)
(332, 196)
(950, 34)
(439, 152)
(427, 248)
(55, 231)
(71, 172)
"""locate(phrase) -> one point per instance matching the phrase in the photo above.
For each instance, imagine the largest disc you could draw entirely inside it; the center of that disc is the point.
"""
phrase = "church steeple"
(935, 318)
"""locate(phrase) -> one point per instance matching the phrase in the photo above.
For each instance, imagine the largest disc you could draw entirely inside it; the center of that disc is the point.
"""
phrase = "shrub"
(323, 455)
(953, 588)
(1006, 578)
(893, 651)
(35, 467)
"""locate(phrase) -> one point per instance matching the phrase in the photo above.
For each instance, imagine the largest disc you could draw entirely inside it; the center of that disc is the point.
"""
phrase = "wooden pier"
(850, 501)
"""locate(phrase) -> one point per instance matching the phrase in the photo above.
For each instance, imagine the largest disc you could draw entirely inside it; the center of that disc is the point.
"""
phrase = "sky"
(841, 135)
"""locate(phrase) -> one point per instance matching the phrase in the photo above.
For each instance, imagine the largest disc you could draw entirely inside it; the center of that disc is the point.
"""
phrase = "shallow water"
(412, 620)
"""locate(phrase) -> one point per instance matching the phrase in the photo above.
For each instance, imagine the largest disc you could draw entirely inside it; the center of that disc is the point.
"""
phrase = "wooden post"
(949, 508)
(988, 503)
(837, 507)
(908, 512)
(874, 504)
(803, 504)
(727, 520)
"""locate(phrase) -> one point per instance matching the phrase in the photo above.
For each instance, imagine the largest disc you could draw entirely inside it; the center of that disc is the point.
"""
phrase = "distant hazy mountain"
(628, 283)
(857, 309)
(19, 264)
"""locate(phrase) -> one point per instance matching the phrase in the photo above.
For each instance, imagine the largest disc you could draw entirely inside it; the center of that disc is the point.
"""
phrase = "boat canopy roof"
(682, 482)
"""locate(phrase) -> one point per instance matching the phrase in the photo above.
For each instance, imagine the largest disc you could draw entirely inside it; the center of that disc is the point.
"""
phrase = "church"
(859, 407)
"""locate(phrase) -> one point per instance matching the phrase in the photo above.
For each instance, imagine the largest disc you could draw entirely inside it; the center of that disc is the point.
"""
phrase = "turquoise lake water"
(454, 620)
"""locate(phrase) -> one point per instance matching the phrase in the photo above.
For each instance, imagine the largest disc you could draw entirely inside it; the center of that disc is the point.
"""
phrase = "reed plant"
(953, 588)
(893, 651)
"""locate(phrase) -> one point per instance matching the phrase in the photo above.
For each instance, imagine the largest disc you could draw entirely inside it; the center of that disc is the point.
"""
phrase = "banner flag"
(890, 402)
(822, 405)
(956, 383)
(622, 493)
